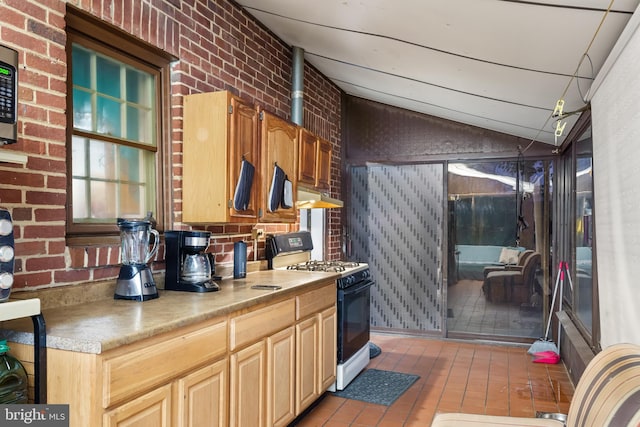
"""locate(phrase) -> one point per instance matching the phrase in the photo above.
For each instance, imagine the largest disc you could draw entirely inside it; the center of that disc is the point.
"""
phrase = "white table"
(31, 308)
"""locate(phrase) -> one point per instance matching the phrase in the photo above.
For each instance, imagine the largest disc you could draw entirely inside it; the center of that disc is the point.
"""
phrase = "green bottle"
(13, 378)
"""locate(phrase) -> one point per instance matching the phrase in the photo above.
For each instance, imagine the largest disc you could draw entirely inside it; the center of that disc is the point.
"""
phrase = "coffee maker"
(189, 268)
(135, 281)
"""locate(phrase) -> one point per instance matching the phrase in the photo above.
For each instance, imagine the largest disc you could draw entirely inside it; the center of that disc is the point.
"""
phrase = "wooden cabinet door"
(307, 158)
(307, 363)
(328, 348)
(243, 144)
(248, 387)
(281, 362)
(149, 410)
(279, 145)
(218, 130)
(202, 397)
(323, 167)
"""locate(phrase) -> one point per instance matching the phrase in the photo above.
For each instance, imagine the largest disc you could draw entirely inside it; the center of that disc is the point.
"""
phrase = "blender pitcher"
(135, 281)
(134, 241)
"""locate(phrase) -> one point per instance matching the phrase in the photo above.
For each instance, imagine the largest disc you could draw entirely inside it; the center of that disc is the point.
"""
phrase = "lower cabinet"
(151, 409)
(255, 368)
(316, 357)
(248, 389)
(281, 365)
(201, 397)
(290, 359)
(328, 351)
(308, 363)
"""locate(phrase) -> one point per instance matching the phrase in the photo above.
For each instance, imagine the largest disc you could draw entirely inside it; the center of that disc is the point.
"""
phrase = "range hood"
(312, 199)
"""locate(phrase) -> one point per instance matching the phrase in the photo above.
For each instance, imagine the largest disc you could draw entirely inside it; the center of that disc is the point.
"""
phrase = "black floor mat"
(379, 387)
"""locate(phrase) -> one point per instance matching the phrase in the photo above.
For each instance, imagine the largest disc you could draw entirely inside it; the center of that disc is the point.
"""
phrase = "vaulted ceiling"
(502, 65)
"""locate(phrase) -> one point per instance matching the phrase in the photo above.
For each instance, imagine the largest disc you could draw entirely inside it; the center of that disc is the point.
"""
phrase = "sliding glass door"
(498, 227)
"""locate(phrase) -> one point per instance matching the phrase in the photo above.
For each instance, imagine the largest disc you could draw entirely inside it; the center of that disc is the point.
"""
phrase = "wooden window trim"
(85, 27)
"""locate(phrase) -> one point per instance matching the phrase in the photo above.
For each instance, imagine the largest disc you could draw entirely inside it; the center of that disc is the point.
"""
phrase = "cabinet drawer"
(253, 326)
(140, 368)
(315, 301)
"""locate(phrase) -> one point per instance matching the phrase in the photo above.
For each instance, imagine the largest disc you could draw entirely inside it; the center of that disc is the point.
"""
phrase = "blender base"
(135, 283)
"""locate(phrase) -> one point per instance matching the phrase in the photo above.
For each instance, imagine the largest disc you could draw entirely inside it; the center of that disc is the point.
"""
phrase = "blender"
(135, 281)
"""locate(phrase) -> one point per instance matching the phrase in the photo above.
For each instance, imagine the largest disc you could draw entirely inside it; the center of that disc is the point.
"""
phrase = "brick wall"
(220, 48)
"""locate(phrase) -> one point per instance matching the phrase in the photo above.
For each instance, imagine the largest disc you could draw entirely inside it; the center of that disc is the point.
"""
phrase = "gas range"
(351, 272)
(292, 251)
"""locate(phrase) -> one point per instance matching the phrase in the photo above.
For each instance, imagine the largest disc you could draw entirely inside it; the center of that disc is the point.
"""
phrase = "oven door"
(354, 304)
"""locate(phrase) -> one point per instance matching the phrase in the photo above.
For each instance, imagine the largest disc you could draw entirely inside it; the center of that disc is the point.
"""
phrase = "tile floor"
(455, 376)
(470, 312)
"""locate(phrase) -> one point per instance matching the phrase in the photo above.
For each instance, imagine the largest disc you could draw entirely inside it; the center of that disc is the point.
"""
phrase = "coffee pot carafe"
(196, 267)
(189, 267)
(135, 281)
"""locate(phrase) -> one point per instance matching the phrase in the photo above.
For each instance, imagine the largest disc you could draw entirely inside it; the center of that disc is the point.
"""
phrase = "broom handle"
(560, 303)
(566, 267)
(553, 302)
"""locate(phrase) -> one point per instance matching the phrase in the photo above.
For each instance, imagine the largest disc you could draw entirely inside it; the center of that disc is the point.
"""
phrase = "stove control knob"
(6, 280)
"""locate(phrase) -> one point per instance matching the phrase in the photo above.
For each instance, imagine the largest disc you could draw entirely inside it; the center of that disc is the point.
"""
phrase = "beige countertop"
(101, 324)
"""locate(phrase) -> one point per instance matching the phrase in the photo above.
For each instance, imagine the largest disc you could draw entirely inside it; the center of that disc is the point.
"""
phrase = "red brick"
(46, 198)
(71, 276)
(48, 165)
(44, 130)
(38, 247)
(27, 280)
(55, 214)
(106, 273)
(57, 247)
(11, 17)
(22, 214)
(43, 231)
(24, 40)
(10, 196)
(44, 263)
(57, 182)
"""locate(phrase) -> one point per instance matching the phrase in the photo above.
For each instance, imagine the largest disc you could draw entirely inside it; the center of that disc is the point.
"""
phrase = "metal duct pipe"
(297, 86)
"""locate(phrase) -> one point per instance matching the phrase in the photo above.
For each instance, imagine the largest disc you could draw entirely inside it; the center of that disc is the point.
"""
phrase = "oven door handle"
(358, 288)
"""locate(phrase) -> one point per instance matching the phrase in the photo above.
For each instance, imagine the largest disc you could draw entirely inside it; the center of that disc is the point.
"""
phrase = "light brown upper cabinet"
(314, 168)
(323, 174)
(279, 151)
(220, 145)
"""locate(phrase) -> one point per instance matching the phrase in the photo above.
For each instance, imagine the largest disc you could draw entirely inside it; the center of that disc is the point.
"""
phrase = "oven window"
(353, 321)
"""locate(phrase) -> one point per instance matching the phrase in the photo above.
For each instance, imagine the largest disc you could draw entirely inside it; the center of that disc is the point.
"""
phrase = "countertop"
(102, 324)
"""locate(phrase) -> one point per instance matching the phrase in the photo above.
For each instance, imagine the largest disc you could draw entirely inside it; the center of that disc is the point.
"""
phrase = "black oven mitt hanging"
(243, 187)
(277, 188)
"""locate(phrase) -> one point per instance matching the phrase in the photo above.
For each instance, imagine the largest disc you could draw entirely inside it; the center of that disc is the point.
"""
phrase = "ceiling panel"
(497, 64)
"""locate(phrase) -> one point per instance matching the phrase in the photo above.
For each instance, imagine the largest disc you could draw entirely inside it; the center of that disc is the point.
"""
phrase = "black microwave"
(8, 95)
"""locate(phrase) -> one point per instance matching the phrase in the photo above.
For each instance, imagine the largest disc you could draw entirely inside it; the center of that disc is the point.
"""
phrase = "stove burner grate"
(335, 266)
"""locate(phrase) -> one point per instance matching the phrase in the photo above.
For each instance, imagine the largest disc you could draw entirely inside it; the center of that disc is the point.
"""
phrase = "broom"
(544, 343)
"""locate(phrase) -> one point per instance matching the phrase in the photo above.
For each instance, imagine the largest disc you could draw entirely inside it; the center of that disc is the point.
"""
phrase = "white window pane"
(132, 200)
(103, 197)
(103, 160)
(79, 155)
(80, 207)
(139, 125)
